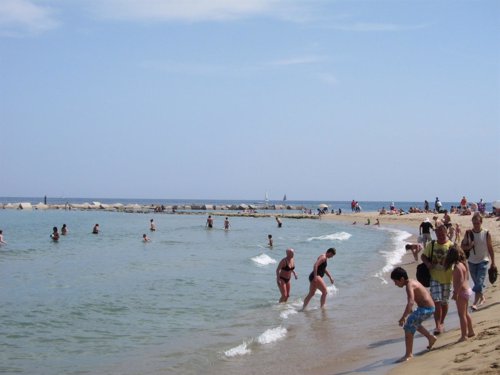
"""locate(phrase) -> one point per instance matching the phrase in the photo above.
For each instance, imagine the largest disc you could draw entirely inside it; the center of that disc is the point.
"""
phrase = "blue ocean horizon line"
(344, 205)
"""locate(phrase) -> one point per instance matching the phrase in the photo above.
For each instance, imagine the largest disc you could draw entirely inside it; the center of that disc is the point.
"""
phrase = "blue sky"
(222, 99)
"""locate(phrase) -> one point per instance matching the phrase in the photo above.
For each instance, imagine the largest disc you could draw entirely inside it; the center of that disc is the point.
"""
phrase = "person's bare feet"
(404, 359)
(462, 339)
(432, 341)
(439, 330)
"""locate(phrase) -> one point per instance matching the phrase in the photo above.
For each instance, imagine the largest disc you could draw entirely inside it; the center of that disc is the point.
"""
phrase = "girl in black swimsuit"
(316, 277)
(283, 274)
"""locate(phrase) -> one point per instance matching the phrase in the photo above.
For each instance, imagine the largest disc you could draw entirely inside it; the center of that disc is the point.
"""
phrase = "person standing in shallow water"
(316, 277)
(210, 222)
(226, 224)
(284, 271)
(55, 234)
(278, 221)
(270, 240)
(96, 229)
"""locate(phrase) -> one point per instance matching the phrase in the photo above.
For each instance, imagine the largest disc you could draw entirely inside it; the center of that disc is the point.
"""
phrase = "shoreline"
(476, 355)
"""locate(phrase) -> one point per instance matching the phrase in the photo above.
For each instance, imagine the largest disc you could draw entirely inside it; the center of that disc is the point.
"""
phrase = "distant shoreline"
(270, 210)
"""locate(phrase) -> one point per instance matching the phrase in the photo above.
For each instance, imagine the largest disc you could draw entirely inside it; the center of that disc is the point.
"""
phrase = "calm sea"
(191, 301)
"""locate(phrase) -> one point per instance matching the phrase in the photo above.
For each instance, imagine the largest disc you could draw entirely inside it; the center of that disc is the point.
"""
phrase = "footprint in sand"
(488, 333)
(466, 369)
(462, 357)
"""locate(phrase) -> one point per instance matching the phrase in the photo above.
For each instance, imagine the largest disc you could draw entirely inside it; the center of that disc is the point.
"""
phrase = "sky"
(370, 100)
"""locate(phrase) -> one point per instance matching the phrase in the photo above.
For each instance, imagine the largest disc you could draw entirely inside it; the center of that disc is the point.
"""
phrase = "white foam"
(394, 254)
(263, 259)
(331, 290)
(339, 236)
(238, 350)
(272, 335)
(285, 314)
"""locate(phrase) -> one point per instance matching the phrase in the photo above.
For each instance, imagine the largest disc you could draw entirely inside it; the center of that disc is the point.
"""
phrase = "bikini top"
(287, 268)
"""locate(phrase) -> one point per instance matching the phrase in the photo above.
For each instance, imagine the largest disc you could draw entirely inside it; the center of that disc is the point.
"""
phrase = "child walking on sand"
(461, 290)
(411, 321)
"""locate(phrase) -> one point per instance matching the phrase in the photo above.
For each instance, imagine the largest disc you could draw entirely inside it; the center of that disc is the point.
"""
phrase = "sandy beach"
(478, 355)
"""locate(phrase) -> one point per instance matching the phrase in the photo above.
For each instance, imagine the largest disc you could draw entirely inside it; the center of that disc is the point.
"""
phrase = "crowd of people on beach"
(451, 262)
(464, 208)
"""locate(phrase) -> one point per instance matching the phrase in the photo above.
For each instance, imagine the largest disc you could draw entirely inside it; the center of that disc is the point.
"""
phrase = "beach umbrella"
(322, 205)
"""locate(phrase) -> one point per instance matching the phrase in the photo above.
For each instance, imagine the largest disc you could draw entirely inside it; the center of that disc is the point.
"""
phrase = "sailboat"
(266, 199)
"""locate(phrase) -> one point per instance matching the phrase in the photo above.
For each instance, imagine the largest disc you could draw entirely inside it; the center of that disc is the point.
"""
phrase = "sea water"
(191, 301)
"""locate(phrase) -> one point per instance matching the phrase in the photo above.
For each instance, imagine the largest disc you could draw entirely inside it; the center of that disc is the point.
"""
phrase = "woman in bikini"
(284, 273)
(461, 290)
(316, 277)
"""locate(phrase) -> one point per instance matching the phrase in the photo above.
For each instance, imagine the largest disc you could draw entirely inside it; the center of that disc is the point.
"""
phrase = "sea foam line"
(269, 336)
(394, 255)
(263, 260)
(339, 236)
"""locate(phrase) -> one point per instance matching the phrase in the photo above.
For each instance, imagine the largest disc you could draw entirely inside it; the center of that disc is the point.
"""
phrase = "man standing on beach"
(440, 276)
(477, 241)
(425, 231)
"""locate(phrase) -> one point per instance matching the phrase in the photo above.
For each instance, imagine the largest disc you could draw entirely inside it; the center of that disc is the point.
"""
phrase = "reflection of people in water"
(96, 229)
(210, 222)
(270, 240)
(279, 222)
(55, 234)
(284, 271)
(316, 277)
